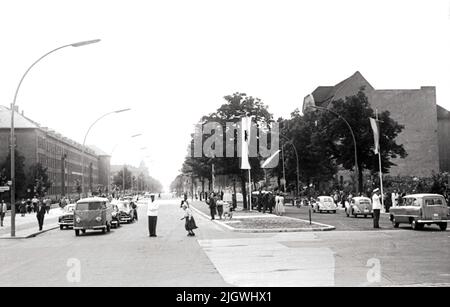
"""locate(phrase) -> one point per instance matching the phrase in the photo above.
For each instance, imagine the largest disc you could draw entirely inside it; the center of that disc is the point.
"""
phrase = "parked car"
(324, 203)
(126, 212)
(115, 214)
(420, 210)
(92, 213)
(359, 206)
(66, 219)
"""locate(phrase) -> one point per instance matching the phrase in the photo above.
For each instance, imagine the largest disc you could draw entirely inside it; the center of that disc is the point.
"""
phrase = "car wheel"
(104, 230)
(83, 231)
(443, 226)
(334, 211)
(77, 232)
(61, 227)
(365, 216)
(354, 214)
(415, 225)
(108, 227)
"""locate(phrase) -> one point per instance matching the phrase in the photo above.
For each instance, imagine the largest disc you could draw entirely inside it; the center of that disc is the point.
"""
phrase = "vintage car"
(115, 214)
(419, 210)
(359, 206)
(126, 212)
(324, 203)
(92, 213)
(66, 219)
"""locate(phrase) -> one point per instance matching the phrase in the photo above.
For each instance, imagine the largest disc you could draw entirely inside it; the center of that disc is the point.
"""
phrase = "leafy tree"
(21, 181)
(118, 179)
(38, 181)
(357, 111)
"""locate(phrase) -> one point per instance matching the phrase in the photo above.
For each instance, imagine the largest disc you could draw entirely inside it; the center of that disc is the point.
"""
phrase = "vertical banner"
(376, 134)
(246, 123)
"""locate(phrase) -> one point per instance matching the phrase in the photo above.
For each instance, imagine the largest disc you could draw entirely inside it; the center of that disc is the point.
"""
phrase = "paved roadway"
(218, 257)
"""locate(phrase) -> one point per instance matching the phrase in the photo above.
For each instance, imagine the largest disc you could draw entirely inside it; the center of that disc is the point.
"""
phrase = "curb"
(324, 227)
(31, 235)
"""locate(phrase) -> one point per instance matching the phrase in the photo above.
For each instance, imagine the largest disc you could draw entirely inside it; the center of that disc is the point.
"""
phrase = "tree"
(21, 182)
(357, 111)
(118, 179)
(38, 181)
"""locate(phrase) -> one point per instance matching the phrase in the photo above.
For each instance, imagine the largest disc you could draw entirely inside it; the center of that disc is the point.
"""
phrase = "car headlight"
(98, 219)
(78, 219)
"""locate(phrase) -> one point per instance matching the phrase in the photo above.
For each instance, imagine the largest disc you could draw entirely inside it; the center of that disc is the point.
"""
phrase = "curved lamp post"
(84, 142)
(13, 107)
(308, 103)
(298, 165)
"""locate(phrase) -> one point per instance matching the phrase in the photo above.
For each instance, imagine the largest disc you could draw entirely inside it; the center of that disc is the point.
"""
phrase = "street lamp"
(13, 107)
(309, 103)
(84, 142)
(298, 165)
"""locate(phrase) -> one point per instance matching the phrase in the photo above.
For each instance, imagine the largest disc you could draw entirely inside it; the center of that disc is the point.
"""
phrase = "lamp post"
(298, 165)
(310, 103)
(12, 141)
(84, 142)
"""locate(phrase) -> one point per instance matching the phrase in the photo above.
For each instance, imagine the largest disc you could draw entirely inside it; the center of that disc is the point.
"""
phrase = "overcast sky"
(173, 61)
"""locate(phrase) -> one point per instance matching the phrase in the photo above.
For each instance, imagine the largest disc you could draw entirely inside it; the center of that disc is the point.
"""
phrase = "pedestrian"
(219, 205)
(35, 201)
(3, 209)
(152, 213)
(23, 207)
(40, 214)
(189, 221)
(28, 205)
(387, 202)
(376, 206)
(134, 207)
(394, 198)
(212, 205)
(279, 204)
(48, 205)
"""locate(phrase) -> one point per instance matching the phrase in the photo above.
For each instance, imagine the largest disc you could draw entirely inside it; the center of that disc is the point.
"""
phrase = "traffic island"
(256, 222)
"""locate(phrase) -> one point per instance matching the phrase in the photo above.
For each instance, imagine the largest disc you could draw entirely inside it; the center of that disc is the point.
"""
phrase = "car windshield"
(90, 206)
(69, 208)
(327, 200)
(364, 202)
(435, 201)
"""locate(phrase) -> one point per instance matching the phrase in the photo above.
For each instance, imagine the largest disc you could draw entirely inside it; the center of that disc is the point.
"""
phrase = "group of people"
(31, 205)
(271, 201)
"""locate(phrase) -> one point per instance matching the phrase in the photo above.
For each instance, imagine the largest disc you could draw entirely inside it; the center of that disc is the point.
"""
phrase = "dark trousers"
(376, 218)
(152, 225)
(220, 211)
(40, 219)
(2, 217)
(212, 211)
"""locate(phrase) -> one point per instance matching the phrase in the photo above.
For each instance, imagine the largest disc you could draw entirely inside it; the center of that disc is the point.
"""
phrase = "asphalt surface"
(218, 257)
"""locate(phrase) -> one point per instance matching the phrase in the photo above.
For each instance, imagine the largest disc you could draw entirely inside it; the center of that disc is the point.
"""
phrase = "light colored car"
(324, 204)
(126, 212)
(66, 219)
(420, 210)
(92, 213)
(359, 206)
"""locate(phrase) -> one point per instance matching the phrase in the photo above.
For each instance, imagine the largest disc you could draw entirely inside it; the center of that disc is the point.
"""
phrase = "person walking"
(212, 205)
(152, 213)
(40, 214)
(23, 207)
(3, 209)
(279, 204)
(189, 221)
(35, 201)
(29, 208)
(376, 206)
(48, 205)
(219, 205)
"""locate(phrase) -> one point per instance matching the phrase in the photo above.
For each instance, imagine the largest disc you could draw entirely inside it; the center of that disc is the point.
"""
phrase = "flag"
(376, 134)
(246, 123)
(270, 159)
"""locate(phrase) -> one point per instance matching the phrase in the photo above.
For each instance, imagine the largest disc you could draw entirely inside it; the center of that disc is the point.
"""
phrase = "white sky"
(173, 61)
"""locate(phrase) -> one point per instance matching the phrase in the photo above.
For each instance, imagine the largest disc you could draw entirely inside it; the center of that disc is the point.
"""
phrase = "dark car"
(115, 222)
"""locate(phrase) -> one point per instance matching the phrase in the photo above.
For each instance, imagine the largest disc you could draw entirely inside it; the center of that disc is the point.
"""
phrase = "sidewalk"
(27, 226)
(257, 222)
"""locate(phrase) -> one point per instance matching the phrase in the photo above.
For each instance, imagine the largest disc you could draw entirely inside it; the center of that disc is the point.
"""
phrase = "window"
(436, 201)
(91, 206)
(410, 201)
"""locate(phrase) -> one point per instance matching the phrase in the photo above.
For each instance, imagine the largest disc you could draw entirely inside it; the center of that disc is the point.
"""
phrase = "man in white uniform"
(376, 206)
(152, 213)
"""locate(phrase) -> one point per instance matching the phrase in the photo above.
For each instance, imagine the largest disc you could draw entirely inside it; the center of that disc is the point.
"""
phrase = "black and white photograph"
(225, 149)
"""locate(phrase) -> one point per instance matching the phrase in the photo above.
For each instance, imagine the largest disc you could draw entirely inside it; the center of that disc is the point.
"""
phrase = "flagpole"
(379, 160)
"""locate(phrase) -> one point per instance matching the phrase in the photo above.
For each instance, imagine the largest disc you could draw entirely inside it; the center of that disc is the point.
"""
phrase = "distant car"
(324, 203)
(420, 210)
(115, 214)
(66, 219)
(92, 213)
(126, 212)
(359, 206)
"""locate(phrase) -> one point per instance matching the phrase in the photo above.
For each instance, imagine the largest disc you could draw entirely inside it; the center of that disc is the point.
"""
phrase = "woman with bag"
(190, 222)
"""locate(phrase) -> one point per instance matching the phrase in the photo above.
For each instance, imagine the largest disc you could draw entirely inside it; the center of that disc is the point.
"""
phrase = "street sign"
(4, 189)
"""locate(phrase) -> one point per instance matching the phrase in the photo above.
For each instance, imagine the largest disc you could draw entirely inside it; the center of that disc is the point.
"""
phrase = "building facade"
(60, 155)
(425, 136)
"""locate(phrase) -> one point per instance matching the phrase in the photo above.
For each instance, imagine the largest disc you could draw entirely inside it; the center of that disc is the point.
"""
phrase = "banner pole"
(379, 160)
(250, 189)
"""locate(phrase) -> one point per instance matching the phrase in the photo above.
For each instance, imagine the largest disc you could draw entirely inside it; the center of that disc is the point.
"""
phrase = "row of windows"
(57, 150)
(48, 162)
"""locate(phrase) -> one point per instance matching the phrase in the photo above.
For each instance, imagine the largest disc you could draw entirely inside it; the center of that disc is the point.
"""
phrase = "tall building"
(427, 126)
(60, 155)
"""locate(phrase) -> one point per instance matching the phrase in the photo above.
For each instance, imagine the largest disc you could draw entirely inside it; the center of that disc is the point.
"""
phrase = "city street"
(352, 255)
